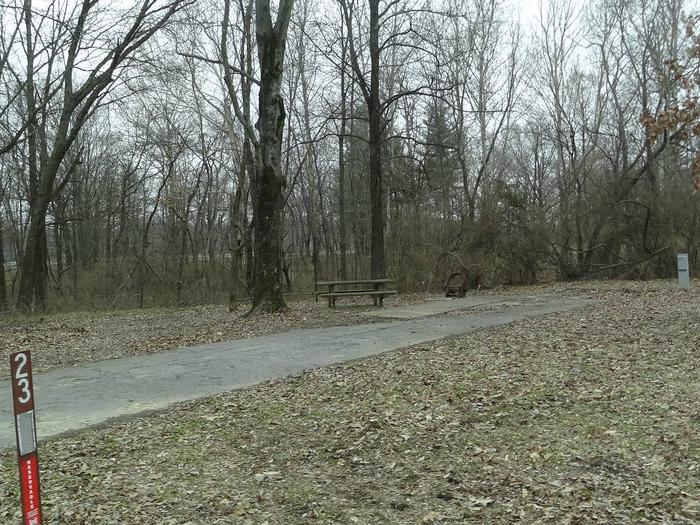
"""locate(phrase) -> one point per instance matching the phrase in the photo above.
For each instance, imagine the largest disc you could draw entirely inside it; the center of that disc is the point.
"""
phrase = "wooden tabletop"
(360, 281)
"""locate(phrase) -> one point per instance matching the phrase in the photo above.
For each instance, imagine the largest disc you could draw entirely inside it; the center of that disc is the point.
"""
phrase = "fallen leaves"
(63, 340)
(591, 416)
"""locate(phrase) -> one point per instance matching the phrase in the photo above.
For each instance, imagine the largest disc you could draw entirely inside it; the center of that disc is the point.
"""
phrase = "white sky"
(529, 10)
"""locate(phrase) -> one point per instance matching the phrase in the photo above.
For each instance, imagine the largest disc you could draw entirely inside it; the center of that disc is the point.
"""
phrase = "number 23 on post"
(25, 427)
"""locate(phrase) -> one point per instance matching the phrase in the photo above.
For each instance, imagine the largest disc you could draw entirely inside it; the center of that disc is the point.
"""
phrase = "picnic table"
(374, 288)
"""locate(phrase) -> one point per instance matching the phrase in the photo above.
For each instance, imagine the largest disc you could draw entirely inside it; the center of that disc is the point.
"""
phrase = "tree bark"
(3, 282)
(342, 226)
(181, 256)
(58, 240)
(377, 262)
(268, 194)
(236, 233)
(32, 284)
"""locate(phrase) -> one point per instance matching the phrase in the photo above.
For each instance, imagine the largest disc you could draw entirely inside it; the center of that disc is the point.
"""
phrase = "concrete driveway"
(75, 398)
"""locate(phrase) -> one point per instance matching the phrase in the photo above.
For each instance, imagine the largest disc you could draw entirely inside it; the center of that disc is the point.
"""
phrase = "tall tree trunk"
(71, 264)
(377, 264)
(236, 234)
(32, 284)
(141, 287)
(358, 232)
(268, 190)
(248, 243)
(342, 226)
(181, 256)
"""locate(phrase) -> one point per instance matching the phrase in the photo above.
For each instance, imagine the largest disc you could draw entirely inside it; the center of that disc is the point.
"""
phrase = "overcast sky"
(528, 9)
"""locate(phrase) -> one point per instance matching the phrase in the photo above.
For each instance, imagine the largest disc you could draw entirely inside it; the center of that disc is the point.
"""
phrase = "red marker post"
(25, 426)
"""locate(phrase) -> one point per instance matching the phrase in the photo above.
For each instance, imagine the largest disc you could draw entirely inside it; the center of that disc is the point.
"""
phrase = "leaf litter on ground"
(63, 340)
(588, 416)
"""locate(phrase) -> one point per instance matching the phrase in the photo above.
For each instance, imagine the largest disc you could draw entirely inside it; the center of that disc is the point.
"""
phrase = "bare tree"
(388, 29)
(268, 182)
(76, 105)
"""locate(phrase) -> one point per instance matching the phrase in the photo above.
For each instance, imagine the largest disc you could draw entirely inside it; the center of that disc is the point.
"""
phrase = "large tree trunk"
(268, 189)
(236, 228)
(32, 285)
(342, 223)
(377, 265)
(268, 202)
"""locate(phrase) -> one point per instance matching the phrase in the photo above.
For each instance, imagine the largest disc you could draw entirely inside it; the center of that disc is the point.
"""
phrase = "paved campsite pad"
(441, 305)
(75, 398)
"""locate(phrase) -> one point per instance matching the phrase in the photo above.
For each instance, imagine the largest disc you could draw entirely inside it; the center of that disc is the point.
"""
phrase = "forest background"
(518, 142)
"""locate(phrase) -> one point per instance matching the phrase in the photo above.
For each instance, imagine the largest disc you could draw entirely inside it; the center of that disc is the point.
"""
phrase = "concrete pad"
(75, 398)
(436, 305)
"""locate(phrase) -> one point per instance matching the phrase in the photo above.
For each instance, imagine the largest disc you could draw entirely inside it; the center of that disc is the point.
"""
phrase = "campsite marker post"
(683, 271)
(25, 428)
